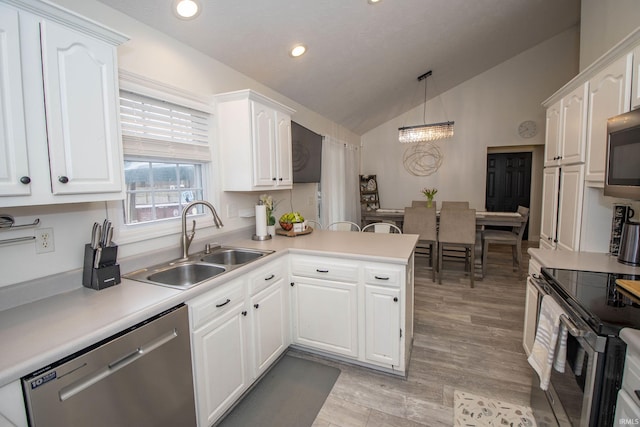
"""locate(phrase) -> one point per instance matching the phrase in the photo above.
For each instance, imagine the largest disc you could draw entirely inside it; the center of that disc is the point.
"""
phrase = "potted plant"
(270, 206)
(288, 220)
(429, 193)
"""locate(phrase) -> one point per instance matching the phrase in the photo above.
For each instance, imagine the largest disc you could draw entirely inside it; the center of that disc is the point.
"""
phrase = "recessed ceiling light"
(298, 50)
(373, 1)
(186, 9)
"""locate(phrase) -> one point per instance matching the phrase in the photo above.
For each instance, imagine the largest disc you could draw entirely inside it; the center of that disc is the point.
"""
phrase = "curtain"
(339, 181)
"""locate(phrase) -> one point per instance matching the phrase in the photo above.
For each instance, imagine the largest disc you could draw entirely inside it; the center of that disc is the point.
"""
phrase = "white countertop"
(39, 333)
(589, 261)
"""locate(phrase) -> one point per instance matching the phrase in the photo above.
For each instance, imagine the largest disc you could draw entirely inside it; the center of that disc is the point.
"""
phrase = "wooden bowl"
(287, 226)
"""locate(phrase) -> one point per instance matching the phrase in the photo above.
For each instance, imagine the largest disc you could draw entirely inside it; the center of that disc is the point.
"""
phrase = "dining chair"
(454, 205)
(423, 222)
(457, 228)
(511, 237)
(381, 227)
(343, 226)
(314, 224)
(422, 204)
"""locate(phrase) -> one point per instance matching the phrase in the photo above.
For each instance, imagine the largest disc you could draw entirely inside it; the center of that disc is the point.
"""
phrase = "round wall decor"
(528, 129)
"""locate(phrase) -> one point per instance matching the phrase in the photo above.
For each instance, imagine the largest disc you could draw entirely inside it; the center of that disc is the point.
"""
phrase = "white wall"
(487, 110)
(152, 54)
(603, 24)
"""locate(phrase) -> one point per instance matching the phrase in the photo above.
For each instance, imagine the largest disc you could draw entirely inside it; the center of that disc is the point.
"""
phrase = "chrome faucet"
(187, 238)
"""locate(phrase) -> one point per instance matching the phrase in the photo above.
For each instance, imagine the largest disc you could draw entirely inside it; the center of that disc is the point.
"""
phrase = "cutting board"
(633, 286)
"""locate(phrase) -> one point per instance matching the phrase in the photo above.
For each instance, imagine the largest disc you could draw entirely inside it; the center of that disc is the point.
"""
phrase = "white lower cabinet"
(530, 317)
(220, 349)
(12, 408)
(238, 330)
(269, 312)
(382, 324)
(325, 315)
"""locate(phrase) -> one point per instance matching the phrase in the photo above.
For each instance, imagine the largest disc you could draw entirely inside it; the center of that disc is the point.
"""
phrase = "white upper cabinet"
(14, 163)
(552, 137)
(254, 135)
(570, 207)
(573, 118)
(59, 126)
(609, 93)
(635, 95)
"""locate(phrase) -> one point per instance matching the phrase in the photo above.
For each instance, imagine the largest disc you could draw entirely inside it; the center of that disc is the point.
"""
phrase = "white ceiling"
(363, 60)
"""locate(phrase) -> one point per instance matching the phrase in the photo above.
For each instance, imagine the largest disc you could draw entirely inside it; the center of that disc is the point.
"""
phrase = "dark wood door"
(508, 182)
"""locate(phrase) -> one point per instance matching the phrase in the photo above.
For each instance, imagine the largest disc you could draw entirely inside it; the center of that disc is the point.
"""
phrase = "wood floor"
(465, 339)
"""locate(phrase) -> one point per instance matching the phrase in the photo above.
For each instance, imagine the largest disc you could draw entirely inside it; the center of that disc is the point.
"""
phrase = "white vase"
(271, 230)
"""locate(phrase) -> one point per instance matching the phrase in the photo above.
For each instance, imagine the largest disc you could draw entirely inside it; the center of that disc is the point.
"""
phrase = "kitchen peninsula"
(368, 269)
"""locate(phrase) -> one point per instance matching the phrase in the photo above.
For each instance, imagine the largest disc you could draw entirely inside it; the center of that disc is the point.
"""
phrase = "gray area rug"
(289, 395)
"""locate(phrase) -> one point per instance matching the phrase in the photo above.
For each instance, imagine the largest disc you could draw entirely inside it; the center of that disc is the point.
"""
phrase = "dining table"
(483, 219)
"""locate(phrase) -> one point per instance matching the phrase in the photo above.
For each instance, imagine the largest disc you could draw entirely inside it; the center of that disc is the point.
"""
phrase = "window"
(158, 190)
(166, 149)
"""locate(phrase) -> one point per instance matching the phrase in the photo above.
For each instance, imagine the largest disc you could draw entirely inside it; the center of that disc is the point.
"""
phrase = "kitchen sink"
(198, 268)
(186, 275)
(232, 256)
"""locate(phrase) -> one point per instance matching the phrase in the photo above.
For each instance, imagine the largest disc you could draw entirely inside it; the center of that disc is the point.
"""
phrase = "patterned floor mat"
(478, 411)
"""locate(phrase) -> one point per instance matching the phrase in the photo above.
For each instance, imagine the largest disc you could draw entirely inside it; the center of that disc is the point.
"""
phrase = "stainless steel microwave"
(622, 177)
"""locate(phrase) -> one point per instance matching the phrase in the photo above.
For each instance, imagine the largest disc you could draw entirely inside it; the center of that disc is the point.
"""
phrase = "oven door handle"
(571, 327)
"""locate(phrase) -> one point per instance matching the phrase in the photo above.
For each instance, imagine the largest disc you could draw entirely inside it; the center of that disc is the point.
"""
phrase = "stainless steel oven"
(595, 311)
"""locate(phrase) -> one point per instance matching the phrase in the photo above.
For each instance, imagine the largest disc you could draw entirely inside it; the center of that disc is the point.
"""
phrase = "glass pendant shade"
(422, 133)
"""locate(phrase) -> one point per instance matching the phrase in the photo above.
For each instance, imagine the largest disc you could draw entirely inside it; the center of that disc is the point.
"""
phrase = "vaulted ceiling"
(363, 59)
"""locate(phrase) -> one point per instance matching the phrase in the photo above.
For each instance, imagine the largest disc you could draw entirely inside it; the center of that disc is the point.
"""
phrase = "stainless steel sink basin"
(232, 256)
(198, 268)
(186, 275)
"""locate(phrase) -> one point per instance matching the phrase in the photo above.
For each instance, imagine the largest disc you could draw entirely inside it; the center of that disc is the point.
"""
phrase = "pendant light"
(425, 132)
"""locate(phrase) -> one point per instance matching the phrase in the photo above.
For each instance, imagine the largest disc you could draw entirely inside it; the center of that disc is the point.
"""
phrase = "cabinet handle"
(381, 278)
(395, 299)
(274, 178)
(63, 179)
(321, 271)
(224, 303)
(244, 313)
(292, 283)
(270, 277)
(256, 305)
(280, 179)
(25, 180)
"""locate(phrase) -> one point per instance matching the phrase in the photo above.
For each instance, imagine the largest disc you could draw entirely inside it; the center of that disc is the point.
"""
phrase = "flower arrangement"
(429, 193)
(271, 206)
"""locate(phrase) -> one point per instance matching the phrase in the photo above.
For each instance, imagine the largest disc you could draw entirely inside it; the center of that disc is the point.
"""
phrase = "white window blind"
(160, 129)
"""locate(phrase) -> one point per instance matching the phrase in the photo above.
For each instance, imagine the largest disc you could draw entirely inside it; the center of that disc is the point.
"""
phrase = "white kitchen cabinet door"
(325, 315)
(609, 93)
(82, 112)
(573, 119)
(550, 188)
(635, 94)
(14, 165)
(530, 317)
(284, 150)
(220, 362)
(552, 137)
(570, 207)
(382, 325)
(270, 326)
(255, 142)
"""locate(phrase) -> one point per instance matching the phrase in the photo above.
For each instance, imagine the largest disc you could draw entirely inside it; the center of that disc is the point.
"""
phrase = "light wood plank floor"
(465, 339)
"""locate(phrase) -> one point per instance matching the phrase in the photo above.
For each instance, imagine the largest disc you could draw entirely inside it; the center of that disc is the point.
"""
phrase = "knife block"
(104, 273)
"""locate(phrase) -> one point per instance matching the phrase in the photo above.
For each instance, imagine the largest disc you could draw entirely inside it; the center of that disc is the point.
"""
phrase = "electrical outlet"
(311, 201)
(44, 240)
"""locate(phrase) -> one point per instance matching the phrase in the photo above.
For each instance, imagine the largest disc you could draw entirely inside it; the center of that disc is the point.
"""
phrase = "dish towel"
(543, 353)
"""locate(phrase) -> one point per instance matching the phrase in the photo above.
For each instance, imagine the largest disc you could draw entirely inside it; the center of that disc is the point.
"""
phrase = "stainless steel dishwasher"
(139, 377)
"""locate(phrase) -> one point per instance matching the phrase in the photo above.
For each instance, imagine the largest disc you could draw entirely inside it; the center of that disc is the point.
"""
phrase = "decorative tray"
(292, 233)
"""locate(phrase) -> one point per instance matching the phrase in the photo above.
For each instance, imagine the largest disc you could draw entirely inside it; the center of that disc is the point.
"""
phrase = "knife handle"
(98, 256)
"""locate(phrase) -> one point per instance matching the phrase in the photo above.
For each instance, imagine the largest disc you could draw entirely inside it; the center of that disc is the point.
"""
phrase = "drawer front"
(325, 268)
(266, 276)
(382, 276)
(631, 376)
(215, 303)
